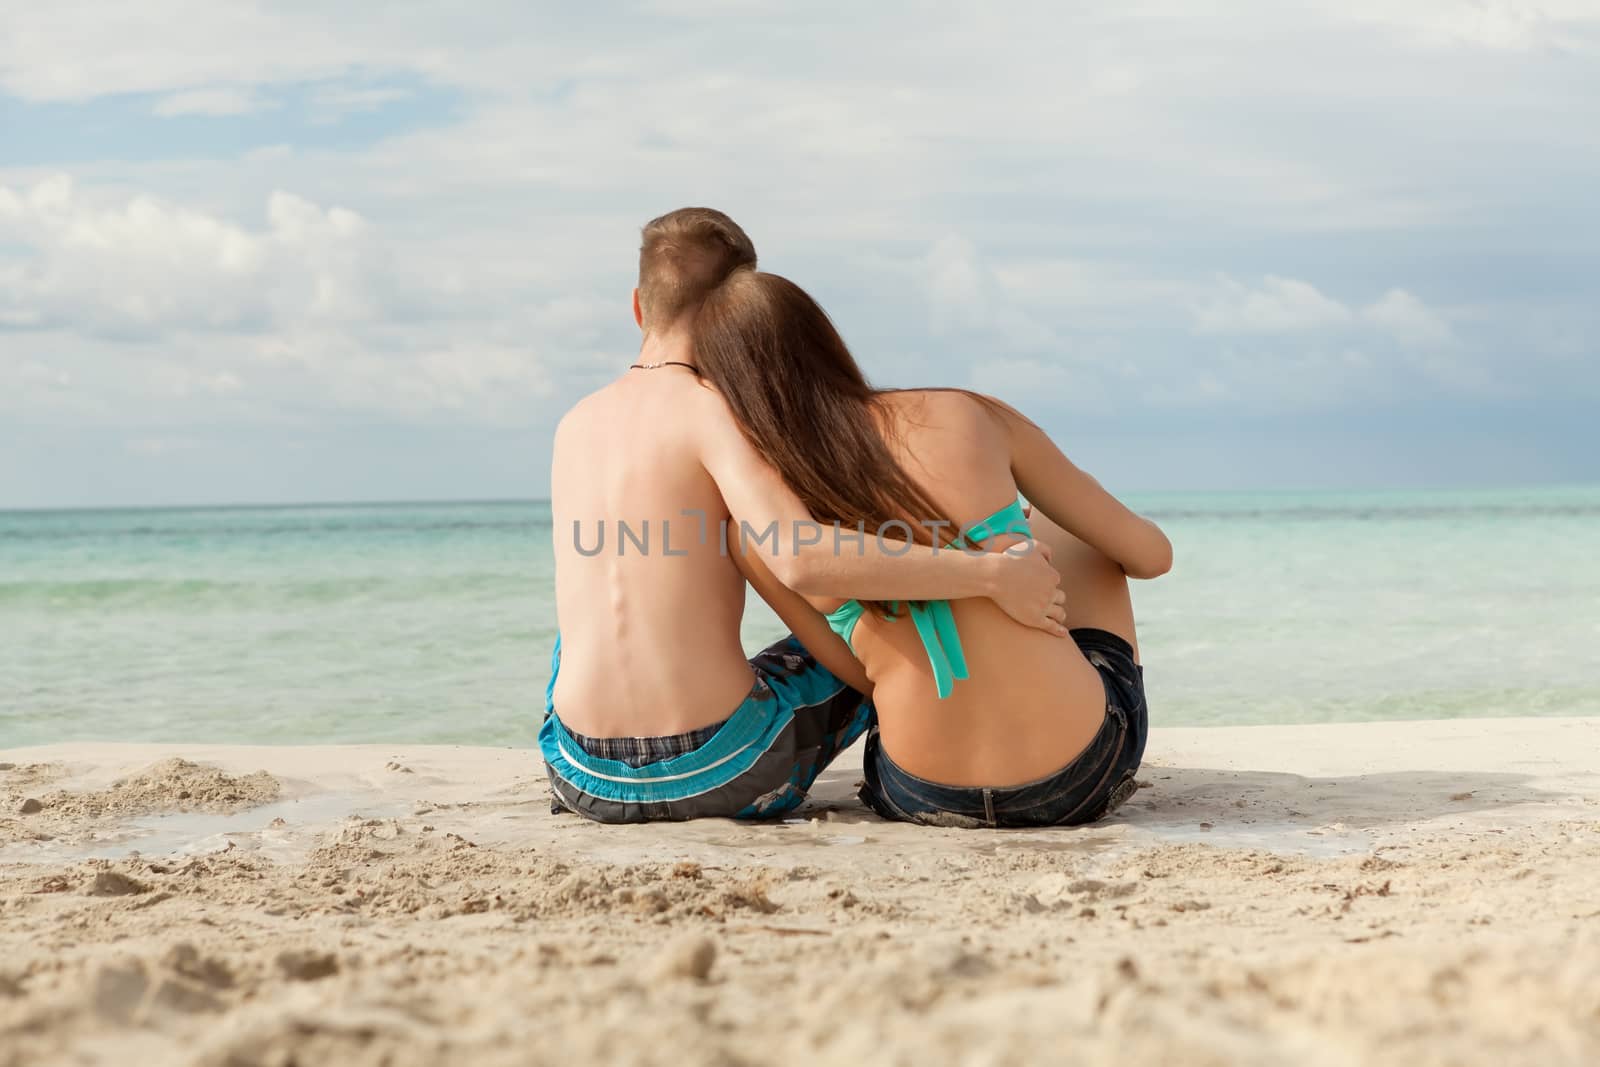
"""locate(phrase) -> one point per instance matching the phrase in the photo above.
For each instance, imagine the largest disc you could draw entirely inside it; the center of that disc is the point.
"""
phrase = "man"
(662, 510)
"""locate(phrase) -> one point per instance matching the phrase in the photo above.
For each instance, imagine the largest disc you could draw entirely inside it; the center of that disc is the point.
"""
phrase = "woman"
(981, 722)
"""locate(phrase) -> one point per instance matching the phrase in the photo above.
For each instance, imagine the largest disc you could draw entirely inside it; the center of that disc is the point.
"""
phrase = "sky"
(295, 251)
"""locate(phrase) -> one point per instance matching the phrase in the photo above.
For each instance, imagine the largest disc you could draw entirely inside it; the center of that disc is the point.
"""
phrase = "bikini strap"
(936, 626)
(1010, 519)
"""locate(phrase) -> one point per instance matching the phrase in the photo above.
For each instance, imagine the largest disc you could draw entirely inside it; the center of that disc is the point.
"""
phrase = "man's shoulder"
(587, 407)
(693, 412)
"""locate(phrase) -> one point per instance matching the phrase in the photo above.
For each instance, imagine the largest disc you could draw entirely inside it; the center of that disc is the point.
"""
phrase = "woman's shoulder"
(950, 442)
(949, 410)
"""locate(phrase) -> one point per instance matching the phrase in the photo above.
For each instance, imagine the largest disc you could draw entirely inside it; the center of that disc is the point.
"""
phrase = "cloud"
(1287, 306)
(1408, 320)
(138, 304)
(1035, 384)
(139, 266)
(161, 446)
(1056, 335)
(1278, 305)
(331, 103)
(1288, 344)
(965, 298)
(957, 290)
(1495, 25)
(222, 100)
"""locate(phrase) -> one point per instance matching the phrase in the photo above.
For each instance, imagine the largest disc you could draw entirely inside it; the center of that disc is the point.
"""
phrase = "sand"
(1397, 893)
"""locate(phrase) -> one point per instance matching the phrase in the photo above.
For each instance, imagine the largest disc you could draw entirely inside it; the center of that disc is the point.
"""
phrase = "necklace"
(666, 363)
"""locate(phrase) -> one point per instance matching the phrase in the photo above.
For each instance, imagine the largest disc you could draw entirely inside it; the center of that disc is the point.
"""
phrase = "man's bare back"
(650, 640)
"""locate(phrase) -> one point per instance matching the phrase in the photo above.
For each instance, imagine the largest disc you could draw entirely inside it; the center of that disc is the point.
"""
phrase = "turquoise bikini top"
(934, 621)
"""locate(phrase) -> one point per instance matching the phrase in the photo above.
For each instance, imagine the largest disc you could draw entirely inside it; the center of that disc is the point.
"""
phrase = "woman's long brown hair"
(805, 406)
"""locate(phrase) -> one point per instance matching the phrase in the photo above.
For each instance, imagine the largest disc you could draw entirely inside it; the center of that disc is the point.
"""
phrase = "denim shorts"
(1091, 787)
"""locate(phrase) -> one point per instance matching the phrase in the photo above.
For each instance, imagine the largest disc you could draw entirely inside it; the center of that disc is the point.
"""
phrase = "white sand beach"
(1381, 893)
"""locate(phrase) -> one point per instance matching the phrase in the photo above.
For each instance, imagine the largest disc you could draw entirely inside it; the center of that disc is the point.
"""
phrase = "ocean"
(434, 622)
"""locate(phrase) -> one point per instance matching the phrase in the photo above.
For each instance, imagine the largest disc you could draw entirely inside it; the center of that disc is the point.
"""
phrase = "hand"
(1028, 589)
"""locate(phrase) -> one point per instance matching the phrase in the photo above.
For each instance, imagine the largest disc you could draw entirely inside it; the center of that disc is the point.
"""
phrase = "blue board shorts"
(756, 764)
(1091, 787)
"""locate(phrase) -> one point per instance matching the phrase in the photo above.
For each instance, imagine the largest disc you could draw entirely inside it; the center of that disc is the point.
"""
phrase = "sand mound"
(30, 813)
(170, 785)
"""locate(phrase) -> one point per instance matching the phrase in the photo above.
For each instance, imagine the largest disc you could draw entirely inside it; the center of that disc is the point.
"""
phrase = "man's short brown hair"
(683, 255)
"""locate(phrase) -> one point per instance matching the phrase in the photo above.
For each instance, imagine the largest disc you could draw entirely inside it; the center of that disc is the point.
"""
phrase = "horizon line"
(516, 500)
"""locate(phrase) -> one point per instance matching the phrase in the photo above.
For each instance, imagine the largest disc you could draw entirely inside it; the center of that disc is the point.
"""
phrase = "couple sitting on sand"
(987, 653)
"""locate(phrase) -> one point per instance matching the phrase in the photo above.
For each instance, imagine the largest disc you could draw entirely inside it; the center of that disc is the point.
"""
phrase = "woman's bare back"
(1032, 702)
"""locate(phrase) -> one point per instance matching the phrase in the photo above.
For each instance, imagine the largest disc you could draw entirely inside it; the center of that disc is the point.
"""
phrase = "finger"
(1042, 621)
(1044, 549)
(1060, 596)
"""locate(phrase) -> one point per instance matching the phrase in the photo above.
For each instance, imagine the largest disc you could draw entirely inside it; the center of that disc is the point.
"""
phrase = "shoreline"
(1257, 786)
(1400, 892)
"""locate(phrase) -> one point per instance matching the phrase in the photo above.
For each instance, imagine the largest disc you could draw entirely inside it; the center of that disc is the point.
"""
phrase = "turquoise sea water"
(434, 622)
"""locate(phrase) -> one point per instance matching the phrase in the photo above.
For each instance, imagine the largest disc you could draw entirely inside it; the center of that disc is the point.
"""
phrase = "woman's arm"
(1021, 581)
(806, 623)
(1079, 504)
